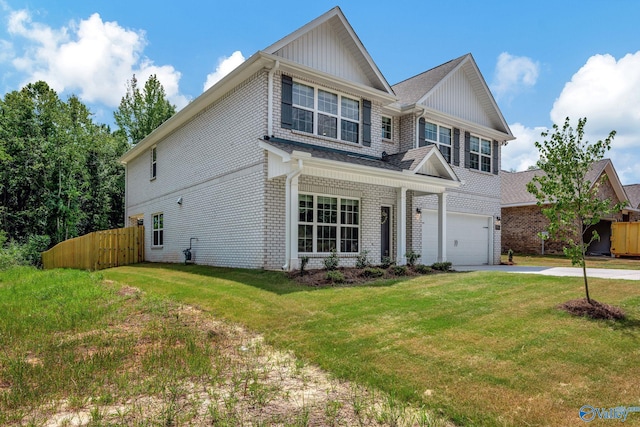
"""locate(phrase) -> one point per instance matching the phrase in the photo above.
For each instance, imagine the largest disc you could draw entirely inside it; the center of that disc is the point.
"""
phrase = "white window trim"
(159, 229)
(339, 117)
(315, 224)
(153, 171)
(480, 155)
(437, 142)
(390, 128)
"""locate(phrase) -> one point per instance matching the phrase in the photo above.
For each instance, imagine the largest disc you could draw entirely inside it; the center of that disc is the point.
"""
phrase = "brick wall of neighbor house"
(371, 198)
(217, 168)
(520, 228)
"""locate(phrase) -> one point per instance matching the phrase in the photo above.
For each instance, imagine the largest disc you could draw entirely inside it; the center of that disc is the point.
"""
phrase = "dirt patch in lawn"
(594, 310)
(251, 383)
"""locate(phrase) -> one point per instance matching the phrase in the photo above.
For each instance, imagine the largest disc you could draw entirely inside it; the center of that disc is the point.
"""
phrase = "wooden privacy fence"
(98, 250)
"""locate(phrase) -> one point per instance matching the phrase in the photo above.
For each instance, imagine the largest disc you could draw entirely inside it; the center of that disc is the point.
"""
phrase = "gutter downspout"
(270, 98)
(288, 214)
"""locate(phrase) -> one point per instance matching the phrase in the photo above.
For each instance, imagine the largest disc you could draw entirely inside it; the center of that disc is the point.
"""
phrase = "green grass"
(77, 345)
(484, 348)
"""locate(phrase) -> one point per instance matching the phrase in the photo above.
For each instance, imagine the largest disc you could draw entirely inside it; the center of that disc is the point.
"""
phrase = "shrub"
(373, 272)
(400, 270)
(332, 261)
(386, 262)
(442, 266)
(362, 261)
(423, 269)
(412, 257)
(335, 276)
(304, 260)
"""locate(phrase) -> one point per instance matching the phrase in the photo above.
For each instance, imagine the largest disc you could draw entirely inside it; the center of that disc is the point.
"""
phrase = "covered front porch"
(338, 200)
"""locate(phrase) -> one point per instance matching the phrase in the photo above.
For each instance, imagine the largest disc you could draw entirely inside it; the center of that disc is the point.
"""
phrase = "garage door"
(467, 238)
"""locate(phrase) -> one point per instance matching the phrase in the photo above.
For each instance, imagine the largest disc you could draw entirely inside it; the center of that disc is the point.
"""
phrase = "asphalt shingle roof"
(633, 194)
(411, 90)
(514, 184)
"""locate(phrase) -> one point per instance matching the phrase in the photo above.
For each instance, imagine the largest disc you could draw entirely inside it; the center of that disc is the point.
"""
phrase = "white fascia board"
(438, 116)
(256, 62)
(405, 178)
(333, 81)
(519, 205)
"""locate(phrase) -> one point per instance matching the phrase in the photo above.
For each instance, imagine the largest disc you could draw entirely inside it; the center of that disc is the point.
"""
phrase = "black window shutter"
(496, 167)
(456, 147)
(467, 148)
(421, 141)
(366, 123)
(286, 113)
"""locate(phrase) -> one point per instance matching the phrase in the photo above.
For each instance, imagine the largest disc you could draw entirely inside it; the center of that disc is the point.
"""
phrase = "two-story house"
(305, 148)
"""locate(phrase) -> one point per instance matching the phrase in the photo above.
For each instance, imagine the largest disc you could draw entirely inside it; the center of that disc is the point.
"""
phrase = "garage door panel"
(467, 238)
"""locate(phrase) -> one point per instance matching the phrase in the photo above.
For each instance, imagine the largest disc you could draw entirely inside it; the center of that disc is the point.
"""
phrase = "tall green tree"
(59, 171)
(567, 198)
(141, 112)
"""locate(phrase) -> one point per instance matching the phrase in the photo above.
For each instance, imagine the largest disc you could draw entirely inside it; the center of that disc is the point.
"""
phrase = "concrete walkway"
(603, 273)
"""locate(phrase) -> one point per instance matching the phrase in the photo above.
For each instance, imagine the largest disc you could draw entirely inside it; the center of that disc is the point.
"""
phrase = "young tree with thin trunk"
(567, 198)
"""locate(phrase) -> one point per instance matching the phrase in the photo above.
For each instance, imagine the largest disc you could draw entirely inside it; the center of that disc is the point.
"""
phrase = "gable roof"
(330, 31)
(457, 89)
(633, 194)
(514, 184)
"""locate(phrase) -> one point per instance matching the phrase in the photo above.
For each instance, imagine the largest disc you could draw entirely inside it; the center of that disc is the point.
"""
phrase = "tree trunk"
(584, 273)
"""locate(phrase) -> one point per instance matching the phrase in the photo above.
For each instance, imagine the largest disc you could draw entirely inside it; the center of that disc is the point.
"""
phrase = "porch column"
(401, 226)
(442, 227)
(293, 222)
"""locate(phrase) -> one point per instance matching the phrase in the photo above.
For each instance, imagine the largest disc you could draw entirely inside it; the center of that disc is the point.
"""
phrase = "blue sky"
(544, 60)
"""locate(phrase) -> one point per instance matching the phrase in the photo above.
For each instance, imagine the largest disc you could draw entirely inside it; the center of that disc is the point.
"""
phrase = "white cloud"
(605, 91)
(92, 58)
(225, 66)
(521, 153)
(514, 73)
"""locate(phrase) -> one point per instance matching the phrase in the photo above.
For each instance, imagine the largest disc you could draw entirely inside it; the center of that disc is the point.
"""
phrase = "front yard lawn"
(482, 348)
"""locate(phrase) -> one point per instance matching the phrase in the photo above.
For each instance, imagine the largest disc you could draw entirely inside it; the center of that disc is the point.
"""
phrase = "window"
(480, 154)
(153, 162)
(326, 223)
(325, 113)
(386, 128)
(440, 136)
(158, 230)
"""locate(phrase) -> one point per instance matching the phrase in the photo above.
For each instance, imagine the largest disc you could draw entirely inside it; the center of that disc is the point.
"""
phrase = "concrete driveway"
(603, 273)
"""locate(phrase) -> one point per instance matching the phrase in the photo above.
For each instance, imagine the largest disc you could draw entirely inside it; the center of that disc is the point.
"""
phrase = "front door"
(385, 232)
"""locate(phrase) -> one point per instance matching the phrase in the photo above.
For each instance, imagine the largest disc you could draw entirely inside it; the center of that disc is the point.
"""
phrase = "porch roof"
(422, 169)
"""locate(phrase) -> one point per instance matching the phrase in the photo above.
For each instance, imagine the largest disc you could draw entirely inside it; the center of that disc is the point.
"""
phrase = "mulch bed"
(595, 310)
(352, 276)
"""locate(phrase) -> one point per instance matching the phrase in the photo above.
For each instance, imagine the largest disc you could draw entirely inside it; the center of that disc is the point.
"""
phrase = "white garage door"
(467, 238)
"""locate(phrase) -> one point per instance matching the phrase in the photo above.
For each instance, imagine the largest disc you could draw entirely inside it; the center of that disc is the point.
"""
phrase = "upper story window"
(387, 130)
(154, 165)
(480, 154)
(440, 136)
(325, 113)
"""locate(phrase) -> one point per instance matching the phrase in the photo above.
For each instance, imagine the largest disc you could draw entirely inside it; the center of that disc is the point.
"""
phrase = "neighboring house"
(522, 219)
(305, 148)
(633, 194)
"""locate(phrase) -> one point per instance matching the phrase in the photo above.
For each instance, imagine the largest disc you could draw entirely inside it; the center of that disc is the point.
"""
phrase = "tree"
(59, 171)
(570, 202)
(140, 113)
